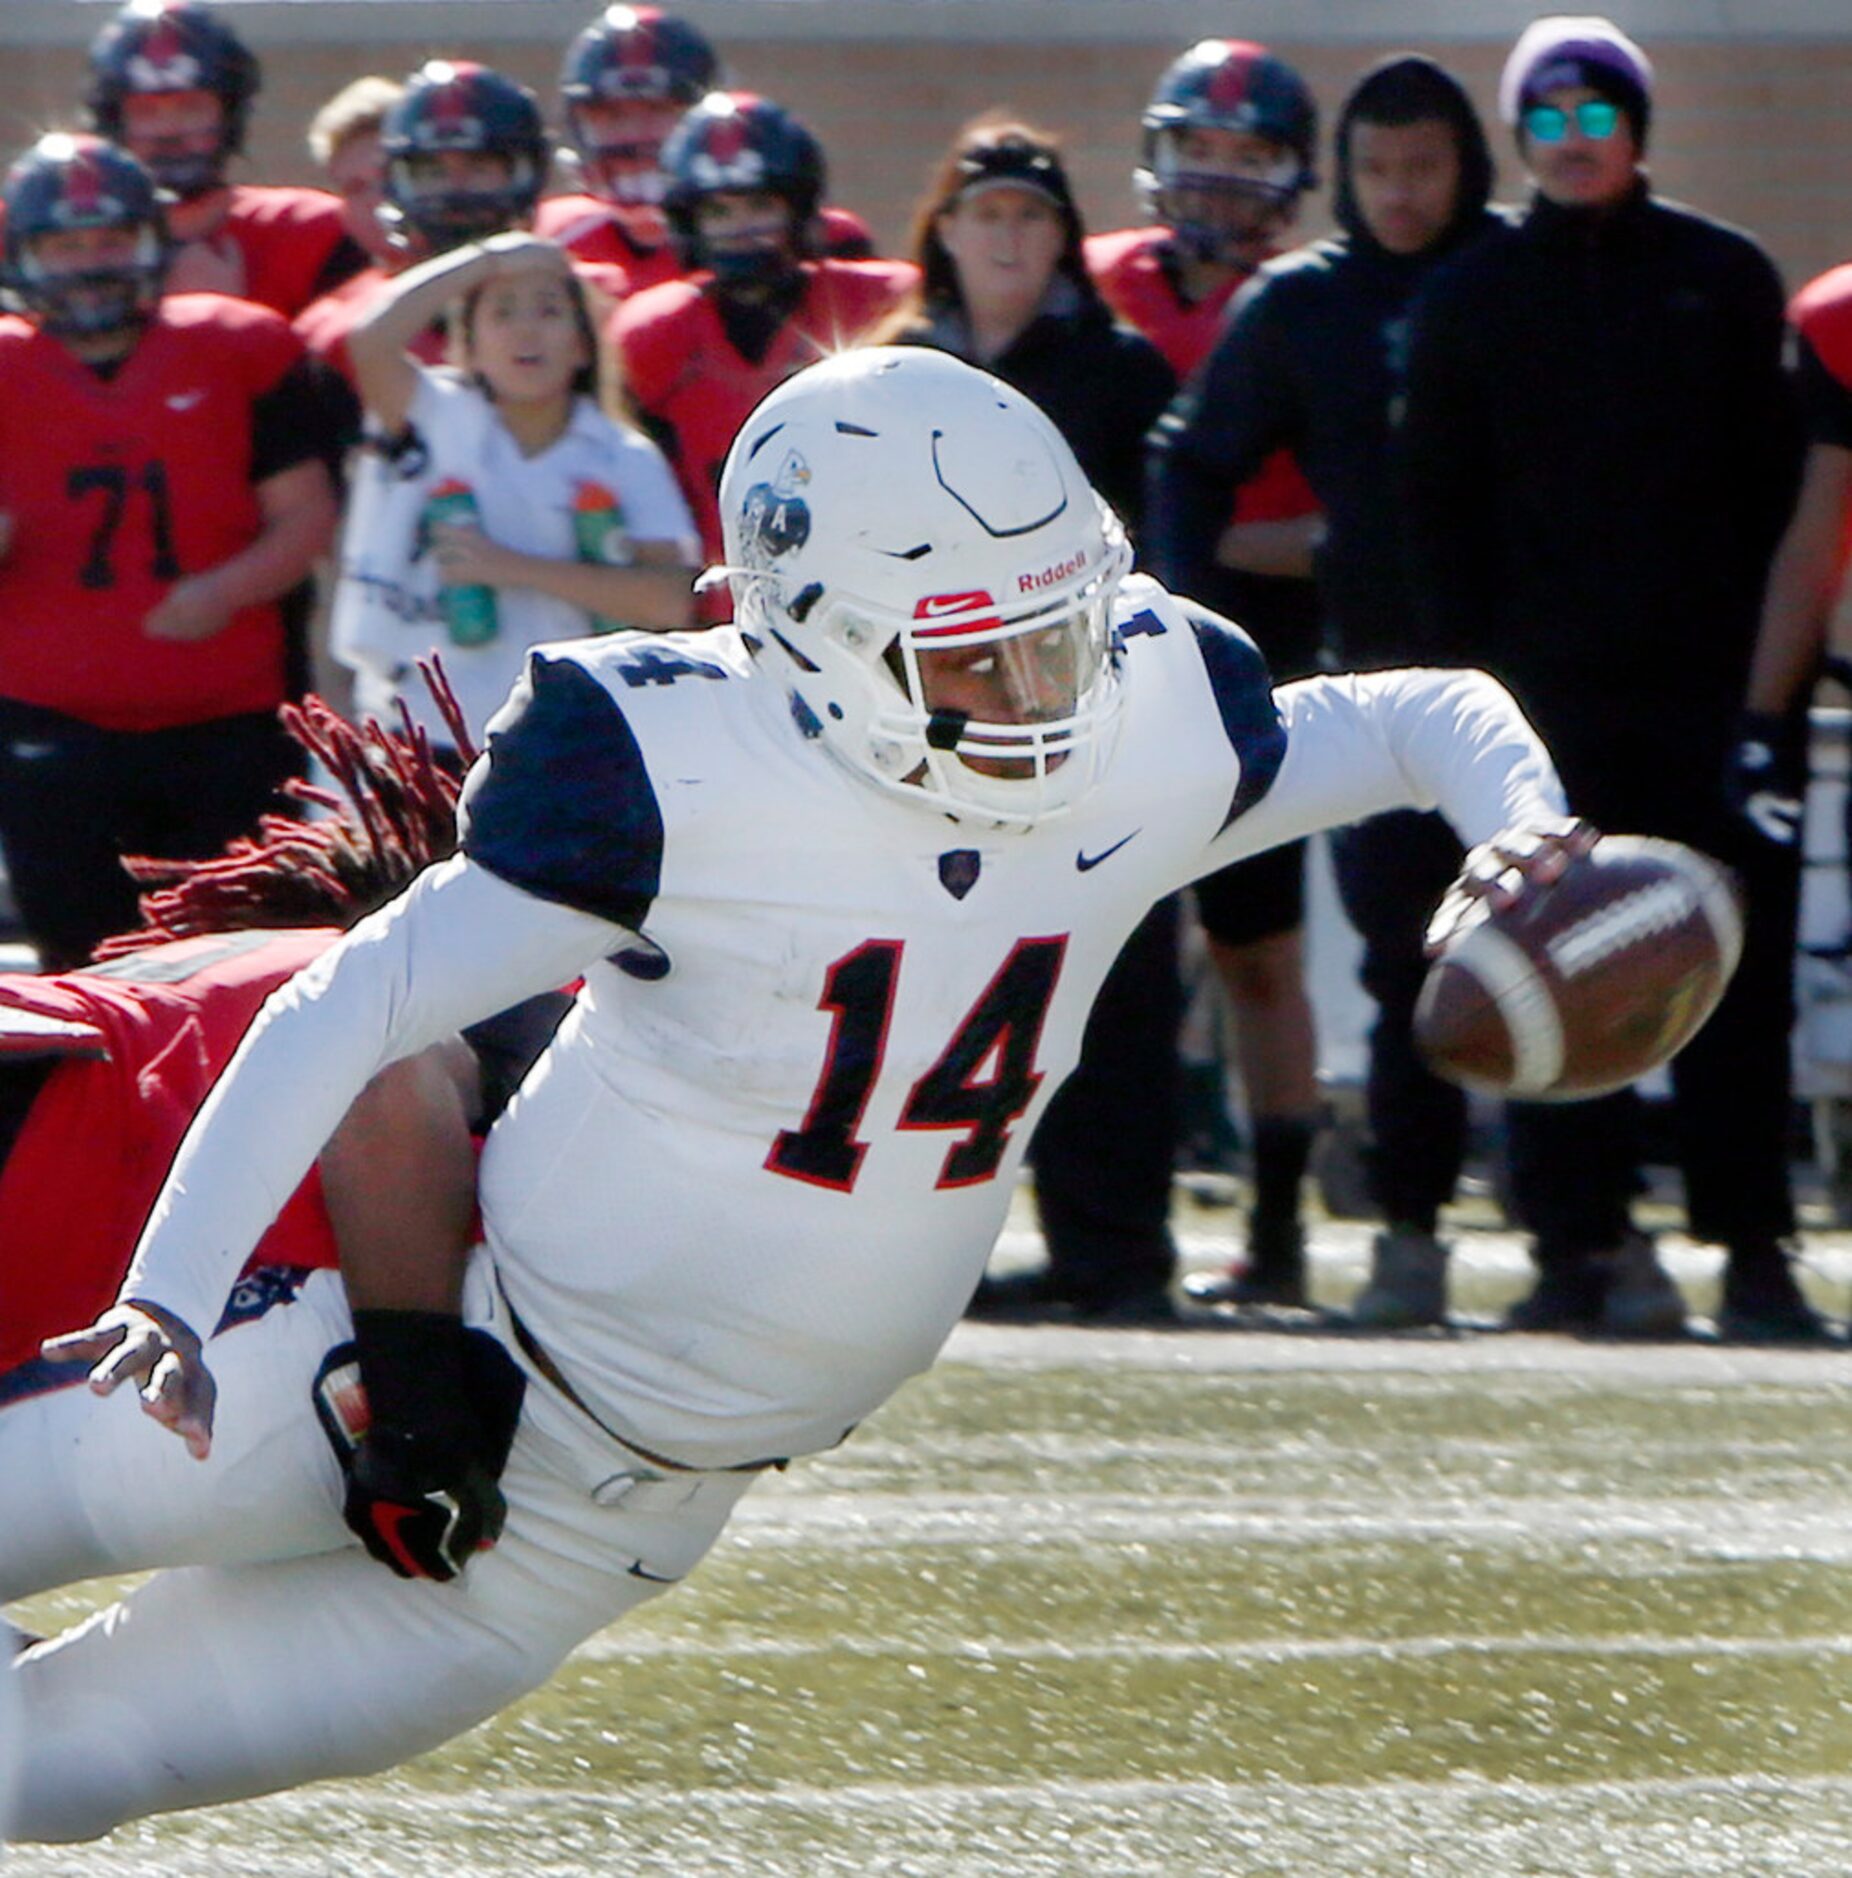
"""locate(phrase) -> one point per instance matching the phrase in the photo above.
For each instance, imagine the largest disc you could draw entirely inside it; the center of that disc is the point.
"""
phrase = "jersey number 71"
(1001, 1033)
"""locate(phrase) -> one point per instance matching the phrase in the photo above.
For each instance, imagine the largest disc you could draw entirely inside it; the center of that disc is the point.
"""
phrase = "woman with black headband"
(1003, 284)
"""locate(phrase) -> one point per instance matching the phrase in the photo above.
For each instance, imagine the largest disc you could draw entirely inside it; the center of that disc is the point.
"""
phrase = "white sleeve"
(654, 506)
(1361, 742)
(458, 946)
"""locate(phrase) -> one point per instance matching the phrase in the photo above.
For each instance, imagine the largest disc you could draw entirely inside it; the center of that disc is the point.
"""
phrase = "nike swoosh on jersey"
(1087, 862)
(184, 400)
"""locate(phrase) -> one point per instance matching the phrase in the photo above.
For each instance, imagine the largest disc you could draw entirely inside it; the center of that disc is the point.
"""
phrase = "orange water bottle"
(599, 533)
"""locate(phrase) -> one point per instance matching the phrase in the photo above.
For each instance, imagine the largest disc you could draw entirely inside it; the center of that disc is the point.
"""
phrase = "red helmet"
(174, 45)
(70, 182)
(460, 106)
(1227, 85)
(632, 55)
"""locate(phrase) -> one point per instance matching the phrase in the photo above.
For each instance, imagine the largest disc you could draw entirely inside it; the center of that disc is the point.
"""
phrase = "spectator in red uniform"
(699, 353)
(625, 83)
(173, 84)
(1230, 141)
(162, 484)
(1307, 361)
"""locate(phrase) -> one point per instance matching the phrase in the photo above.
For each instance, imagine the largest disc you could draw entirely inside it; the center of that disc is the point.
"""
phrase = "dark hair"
(993, 145)
(393, 812)
(1409, 89)
(597, 379)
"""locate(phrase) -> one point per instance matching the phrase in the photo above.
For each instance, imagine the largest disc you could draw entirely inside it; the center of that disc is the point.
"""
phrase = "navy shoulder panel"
(1244, 695)
(562, 805)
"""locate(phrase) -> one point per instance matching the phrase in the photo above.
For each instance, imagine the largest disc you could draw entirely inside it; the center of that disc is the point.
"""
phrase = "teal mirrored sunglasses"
(1594, 118)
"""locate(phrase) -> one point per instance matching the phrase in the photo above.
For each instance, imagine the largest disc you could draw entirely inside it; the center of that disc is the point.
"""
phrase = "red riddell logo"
(1049, 576)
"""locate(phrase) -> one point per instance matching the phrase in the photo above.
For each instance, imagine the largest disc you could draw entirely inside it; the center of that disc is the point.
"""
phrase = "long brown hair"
(995, 144)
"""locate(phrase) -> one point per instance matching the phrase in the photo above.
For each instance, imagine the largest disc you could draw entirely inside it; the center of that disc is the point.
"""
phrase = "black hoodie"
(1310, 360)
(1597, 458)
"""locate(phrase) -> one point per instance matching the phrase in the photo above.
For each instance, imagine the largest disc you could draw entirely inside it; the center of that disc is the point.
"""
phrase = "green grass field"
(1196, 1603)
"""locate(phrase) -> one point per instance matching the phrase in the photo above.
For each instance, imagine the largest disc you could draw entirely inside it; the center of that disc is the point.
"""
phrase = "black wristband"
(1838, 667)
(412, 1364)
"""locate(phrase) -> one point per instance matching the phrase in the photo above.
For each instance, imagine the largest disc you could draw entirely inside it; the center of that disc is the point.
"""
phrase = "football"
(1583, 986)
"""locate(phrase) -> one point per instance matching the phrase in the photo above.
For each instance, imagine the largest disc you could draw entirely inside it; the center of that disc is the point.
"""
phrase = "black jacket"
(1598, 458)
(1101, 385)
(1309, 360)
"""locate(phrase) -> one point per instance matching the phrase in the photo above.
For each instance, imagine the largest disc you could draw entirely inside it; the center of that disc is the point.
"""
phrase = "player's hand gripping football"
(422, 1508)
(160, 1354)
(443, 1403)
(1497, 872)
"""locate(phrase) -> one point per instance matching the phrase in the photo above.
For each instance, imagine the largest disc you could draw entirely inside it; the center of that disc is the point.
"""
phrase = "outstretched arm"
(459, 946)
(1359, 743)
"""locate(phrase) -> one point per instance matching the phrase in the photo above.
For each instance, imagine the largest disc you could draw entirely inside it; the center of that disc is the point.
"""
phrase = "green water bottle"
(469, 610)
(600, 536)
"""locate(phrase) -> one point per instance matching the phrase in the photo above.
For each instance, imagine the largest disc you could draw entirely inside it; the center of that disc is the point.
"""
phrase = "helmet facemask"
(995, 715)
(82, 303)
(441, 216)
(1227, 219)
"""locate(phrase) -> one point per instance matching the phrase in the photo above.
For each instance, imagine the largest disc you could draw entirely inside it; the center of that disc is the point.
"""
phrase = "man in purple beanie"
(1598, 458)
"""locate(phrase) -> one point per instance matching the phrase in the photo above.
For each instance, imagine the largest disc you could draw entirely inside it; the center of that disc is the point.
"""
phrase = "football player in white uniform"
(841, 881)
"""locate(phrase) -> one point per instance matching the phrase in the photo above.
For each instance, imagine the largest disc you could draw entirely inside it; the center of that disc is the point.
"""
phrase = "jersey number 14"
(983, 1080)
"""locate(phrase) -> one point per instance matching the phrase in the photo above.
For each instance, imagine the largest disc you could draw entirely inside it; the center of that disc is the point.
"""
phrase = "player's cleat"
(1042, 1294)
(1273, 1273)
(1640, 1299)
(1564, 1299)
(1407, 1285)
(1763, 1304)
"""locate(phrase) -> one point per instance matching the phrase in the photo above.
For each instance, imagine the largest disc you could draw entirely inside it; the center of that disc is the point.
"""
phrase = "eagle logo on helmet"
(774, 518)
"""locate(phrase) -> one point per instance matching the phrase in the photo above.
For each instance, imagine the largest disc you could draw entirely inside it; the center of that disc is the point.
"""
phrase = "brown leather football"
(1585, 985)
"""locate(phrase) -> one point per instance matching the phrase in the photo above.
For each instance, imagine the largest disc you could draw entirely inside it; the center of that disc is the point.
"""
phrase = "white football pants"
(269, 1649)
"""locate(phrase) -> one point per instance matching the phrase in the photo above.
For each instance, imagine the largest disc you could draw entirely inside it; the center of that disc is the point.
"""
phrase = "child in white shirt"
(572, 522)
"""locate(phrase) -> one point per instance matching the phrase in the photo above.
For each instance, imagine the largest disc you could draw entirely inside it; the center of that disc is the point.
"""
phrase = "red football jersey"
(116, 488)
(288, 245)
(686, 376)
(588, 230)
(1128, 268)
(324, 324)
(140, 1041)
(1822, 314)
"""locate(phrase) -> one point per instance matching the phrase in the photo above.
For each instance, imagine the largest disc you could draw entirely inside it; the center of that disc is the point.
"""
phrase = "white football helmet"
(913, 544)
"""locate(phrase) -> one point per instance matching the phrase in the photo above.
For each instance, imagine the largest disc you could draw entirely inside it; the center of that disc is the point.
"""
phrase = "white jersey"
(386, 609)
(751, 1185)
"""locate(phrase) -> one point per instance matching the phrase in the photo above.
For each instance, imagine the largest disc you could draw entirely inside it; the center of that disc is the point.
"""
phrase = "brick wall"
(1759, 132)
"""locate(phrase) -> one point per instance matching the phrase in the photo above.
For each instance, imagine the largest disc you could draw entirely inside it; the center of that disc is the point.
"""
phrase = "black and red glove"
(442, 1405)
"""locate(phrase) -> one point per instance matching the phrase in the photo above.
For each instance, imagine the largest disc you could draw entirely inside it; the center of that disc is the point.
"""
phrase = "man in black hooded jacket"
(1599, 454)
(1309, 361)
